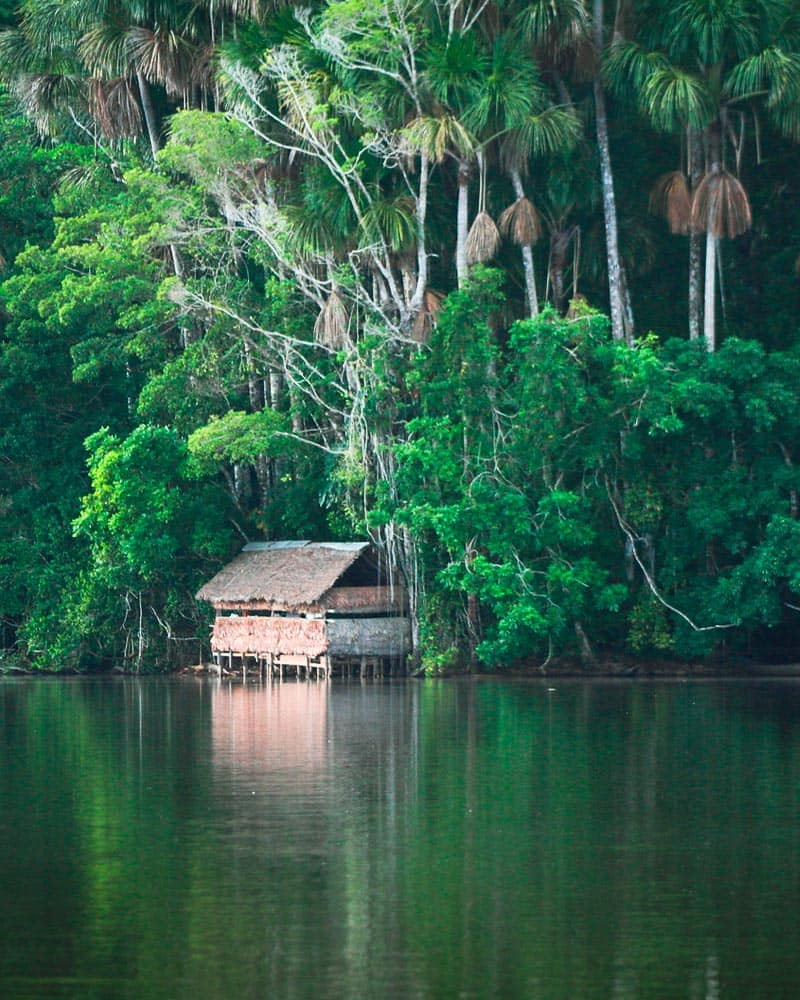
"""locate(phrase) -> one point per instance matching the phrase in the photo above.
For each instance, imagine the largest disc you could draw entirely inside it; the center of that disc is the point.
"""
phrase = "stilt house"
(308, 608)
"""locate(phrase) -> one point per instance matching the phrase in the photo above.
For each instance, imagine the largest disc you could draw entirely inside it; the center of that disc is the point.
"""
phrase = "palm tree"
(564, 30)
(101, 59)
(695, 68)
(456, 66)
(615, 276)
(514, 113)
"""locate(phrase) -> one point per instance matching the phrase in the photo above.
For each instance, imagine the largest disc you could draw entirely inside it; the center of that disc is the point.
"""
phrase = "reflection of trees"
(598, 840)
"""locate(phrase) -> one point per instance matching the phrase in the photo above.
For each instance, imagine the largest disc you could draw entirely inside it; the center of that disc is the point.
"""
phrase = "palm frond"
(627, 66)
(553, 130)
(772, 70)
(552, 24)
(508, 92)
(87, 175)
(709, 30)
(426, 318)
(483, 239)
(720, 206)
(50, 25)
(390, 221)
(44, 95)
(104, 50)
(162, 56)
(438, 135)
(18, 55)
(332, 323)
(114, 106)
(670, 198)
(672, 99)
(455, 68)
(787, 120)
(521, 223)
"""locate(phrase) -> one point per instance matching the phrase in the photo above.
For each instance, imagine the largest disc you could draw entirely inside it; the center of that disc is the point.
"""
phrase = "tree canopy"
(343, 269)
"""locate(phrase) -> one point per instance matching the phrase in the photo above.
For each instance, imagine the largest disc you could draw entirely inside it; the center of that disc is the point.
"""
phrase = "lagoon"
(182, 838)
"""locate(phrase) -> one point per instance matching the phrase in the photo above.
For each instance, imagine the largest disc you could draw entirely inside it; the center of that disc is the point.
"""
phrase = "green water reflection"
(181, 839)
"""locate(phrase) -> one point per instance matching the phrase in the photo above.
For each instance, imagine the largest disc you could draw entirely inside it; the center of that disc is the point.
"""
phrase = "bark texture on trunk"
(462, 223)
(422, 252)
(695, 242)
(149, 114)
(695, 266)
(607, 182)
(559, 242)
(527, 253)
(710, 290)
(709, 314)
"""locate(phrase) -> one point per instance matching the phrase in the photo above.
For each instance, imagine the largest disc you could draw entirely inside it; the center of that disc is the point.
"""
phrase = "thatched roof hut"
(287, 576)
(297, 602)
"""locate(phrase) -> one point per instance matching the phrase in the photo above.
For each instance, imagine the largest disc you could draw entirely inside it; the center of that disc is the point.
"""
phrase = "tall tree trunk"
(710, 290)
(695, 244)
(695, 266)
(149, 114)
(462, 222)
(709, 315)
(527, 253)
(607, 181)
(422, 253)
(559, 241)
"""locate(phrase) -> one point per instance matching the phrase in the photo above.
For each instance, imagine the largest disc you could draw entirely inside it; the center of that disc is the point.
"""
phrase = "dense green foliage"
(325, 272)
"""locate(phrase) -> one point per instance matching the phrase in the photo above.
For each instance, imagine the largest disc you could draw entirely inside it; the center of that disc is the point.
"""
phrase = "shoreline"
(612, 668)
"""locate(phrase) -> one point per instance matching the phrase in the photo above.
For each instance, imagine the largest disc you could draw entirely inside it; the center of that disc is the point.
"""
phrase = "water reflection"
(184, 840)
(264, 731)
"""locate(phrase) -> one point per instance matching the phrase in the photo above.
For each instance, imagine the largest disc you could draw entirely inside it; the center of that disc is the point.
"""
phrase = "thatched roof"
(284, 575)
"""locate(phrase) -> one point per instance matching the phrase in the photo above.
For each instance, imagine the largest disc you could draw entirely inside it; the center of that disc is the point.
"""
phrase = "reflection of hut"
(274, 733)
(308, 608)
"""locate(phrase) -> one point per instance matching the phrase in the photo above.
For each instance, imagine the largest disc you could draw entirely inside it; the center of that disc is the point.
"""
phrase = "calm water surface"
(182, 839)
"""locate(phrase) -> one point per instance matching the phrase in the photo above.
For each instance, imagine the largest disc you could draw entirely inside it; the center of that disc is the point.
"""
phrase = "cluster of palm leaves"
(404, 142)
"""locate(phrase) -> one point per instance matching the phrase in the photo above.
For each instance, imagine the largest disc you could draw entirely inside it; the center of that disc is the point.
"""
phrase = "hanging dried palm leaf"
(721, 206)
(114, 106)
(427, 316)
(331, 326)
(483, 239)
(163, 56)
(670, 198)
(520, 223)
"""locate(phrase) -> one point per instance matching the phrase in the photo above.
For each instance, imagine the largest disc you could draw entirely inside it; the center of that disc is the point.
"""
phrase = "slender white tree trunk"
(607, 182)
(695, 243)
(695, 265)
(422, 252)
(710, 290)
(527, 253)
(709, 315)
(462, 223)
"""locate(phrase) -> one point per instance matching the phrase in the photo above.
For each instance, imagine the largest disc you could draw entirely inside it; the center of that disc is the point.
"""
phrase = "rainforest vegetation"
(509, 286)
